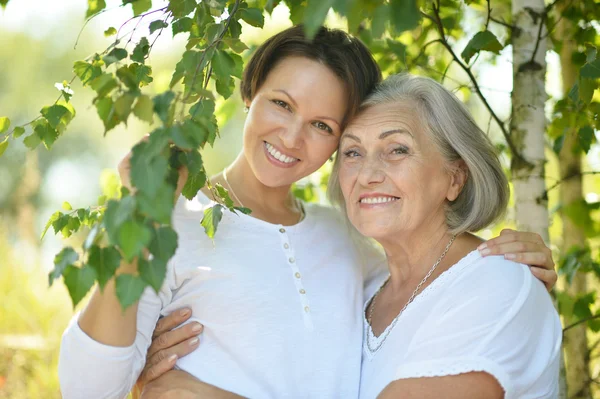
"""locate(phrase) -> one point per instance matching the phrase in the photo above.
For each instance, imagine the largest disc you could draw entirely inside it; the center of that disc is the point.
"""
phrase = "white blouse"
(281, 308)
(483, 314)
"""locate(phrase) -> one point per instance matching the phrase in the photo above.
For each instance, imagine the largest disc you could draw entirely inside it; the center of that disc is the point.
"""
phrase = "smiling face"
(294, 121)
(393, 178)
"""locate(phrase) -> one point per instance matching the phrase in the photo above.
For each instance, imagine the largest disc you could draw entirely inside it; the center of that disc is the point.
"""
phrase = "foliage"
(422, 36)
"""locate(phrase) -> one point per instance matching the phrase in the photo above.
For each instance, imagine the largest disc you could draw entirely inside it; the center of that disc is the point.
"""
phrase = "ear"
(459, 173)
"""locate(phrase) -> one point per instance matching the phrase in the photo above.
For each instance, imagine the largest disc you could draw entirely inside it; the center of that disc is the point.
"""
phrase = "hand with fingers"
(527, 248)
(170, 341)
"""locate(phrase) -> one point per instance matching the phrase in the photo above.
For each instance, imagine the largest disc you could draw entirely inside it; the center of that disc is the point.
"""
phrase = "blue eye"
(400, 150)
(282, 104)
(323, 126)
(351, 154)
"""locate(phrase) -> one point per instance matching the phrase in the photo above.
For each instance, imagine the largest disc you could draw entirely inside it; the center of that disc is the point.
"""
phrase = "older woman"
(415, 173)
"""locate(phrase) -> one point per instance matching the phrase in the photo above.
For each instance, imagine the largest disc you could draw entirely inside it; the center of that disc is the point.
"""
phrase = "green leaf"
(32, 141)
(581, 308)
(18, 132)
(105, 262)
(585, 136)
(162, 103)
(590, 52)
(586, 89)
(485, 40)
(558, 144)
(4, 124)
(144, 109)
(66, 257)
(380, 17)
(181, 8)
(202, 109)
(91, 237)
(66, 206)
(223, 65)
(193, 184)
(123, 106)
(133, 238)
(156, 25)
(182, 25)
(147, 172)
(104, 84)
(94, 6)
(224, 194)
(252, 16)
(245, 211)
(79, 281)
(115, 55)
(107, 113)
(225, 87)
(129, 289)
(139, 6)
(591, 70)
(212, 218)
(140, 52)
(153, 272)
(86, 72)
(404, 15)
(3, 146)
(46, 133)
(53, 114)
(315, 14)
(160, 206)
(116, 213)
(235, 44)
(164, 243)
(110, 32)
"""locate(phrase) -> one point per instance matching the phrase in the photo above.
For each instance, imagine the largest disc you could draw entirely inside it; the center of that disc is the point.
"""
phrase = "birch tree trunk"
(528, 122)
(571, 191)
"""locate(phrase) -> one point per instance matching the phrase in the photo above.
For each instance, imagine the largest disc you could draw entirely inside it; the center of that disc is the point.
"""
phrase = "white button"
(292, 260)
(286, 245)
(302, 291)
(306, 309)
(297, 275)
(282, 230)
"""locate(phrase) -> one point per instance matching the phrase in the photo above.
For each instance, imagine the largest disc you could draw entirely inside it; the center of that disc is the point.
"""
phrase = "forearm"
(104, 320)
(179, 384)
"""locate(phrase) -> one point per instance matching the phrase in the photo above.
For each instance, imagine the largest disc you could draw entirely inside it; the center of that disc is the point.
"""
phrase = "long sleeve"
(89, 369)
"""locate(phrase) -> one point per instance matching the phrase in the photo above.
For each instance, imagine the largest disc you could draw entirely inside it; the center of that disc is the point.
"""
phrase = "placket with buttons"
(297, 277)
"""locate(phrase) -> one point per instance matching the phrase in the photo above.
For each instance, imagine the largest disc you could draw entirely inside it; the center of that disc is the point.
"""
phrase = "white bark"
(528, 123)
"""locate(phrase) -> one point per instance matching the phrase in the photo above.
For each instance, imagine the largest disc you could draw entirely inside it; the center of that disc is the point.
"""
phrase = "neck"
(273, 204)
(410, 256)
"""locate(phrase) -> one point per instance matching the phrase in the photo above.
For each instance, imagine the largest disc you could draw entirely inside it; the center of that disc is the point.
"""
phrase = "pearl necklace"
(389, 329)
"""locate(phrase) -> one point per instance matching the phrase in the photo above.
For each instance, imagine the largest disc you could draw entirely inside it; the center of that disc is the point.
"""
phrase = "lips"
(278, 156)
(376, 199)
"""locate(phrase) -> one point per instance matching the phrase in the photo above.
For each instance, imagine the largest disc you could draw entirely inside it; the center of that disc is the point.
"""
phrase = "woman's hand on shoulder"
(524, 247)
(170, 341)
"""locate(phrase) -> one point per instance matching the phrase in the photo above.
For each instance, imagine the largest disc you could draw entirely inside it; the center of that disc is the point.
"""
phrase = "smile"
(278, 156)
(378, 200)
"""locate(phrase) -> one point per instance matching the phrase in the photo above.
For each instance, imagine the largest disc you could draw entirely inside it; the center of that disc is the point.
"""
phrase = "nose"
(291, 135)
(372, 172)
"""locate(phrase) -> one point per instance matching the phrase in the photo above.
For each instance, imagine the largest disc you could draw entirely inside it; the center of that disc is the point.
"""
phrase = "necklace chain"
(298, 204)
(231, 188)
(389, 329)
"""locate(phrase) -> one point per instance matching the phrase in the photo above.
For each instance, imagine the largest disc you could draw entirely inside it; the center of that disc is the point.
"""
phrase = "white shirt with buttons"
(281, 308)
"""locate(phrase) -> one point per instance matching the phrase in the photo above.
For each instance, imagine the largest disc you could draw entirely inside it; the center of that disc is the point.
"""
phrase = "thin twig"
(505, 24)
(578, 322)
(570, 177)
(445, 43)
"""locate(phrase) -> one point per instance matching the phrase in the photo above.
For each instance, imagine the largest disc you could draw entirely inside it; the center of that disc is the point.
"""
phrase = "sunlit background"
(39, 41)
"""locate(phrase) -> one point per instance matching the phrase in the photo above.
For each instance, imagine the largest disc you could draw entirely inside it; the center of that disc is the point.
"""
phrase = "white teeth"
(377, 200)
(277, 155)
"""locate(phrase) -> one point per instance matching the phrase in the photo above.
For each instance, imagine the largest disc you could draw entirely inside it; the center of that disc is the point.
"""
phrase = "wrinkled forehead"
(374, 118)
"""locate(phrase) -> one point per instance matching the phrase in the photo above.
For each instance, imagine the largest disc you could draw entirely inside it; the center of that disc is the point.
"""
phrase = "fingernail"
(184, 312)
(197, 328)
(482, 246)
(485, 252)
(510, 256)
(194, 341)
(172, 358)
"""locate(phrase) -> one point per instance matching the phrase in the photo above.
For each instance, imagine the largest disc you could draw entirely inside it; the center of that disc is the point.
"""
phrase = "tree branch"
(568, 178)
(445, 43)
(578, 322)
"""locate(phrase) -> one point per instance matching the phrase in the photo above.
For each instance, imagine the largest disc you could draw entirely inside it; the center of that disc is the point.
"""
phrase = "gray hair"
(453, 130)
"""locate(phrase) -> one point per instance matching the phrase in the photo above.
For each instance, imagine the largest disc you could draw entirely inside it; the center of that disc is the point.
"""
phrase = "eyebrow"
(296, 105)
(382, 136)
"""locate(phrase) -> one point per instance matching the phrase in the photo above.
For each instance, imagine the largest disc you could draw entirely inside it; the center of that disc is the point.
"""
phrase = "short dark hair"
(346, 56)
